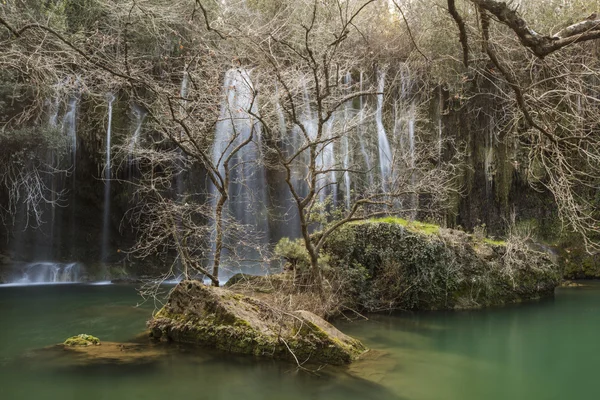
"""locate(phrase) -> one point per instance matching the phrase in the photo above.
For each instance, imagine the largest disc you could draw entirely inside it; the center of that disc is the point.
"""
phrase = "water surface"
(543, 350)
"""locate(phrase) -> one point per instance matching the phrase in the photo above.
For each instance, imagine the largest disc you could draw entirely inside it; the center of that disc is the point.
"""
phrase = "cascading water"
(385, 152)
(414, 199)
(361, 134)
(139, 115)
(411, 135)
(247, 189)
(439, 121)
(69, 126)
(183, 94)
(346, 147)
(326, 162)
(107, 178)
(49, 272)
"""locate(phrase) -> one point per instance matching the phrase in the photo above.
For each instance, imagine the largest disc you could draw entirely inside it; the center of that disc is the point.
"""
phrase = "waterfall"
(326, 161)
(346, 164)
(411, 135)
(54, 108)
(139, 115)
(414, 199)
(385, 153)
(439, 121)
(183, 94)
(247, 189)
(346, 147)
(107, 178)
(53, 158)
(69, 126)
(361, 134)
(49, 272)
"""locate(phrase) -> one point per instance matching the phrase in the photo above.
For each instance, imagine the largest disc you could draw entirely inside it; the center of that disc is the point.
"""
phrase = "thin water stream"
(544, 350)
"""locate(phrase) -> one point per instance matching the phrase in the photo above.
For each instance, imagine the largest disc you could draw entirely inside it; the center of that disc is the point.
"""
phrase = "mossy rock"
(82, 340)
(231, 322)
(422, 269)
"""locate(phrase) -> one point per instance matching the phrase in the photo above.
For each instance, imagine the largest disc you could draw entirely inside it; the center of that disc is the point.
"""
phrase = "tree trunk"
(219, 236)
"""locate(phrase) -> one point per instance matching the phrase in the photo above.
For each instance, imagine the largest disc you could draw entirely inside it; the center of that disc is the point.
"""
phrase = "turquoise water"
(544, 350)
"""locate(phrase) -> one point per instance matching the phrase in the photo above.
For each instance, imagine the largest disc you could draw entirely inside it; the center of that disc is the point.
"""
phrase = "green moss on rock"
(82, 340)
(405, 268)
(227, 321)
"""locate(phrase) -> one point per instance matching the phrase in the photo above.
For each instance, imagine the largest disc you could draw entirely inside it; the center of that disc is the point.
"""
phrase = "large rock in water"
(221, 319)
(395, 264)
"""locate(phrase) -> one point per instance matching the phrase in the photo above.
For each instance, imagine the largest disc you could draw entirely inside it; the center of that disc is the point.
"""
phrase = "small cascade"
(326, 161)
(414, 199)
(346, 147)
(139, 115)
(183, 91)
(69, 126)
(55, 107)
(53, 159)
(49, 272)
(248, 188)
(107, 178)
(385, 152)
(439, 122)
(346, 165)
(361, 134)
(286, 215)
(411, 135)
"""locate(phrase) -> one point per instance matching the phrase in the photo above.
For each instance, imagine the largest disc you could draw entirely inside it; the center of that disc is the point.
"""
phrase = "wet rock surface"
(231, 322)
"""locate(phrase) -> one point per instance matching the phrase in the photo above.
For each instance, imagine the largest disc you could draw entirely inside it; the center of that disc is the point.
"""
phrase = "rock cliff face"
(417, 266)
(221, 319)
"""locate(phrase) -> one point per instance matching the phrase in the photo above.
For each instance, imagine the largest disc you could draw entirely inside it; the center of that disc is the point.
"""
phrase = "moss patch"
(227, 321)
(82, 340)
(399, 268)
(415, 226)
(494, 242)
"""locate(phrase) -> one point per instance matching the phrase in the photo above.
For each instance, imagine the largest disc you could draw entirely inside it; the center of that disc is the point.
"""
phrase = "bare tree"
(182, 110)
(305, 60)
(552, 81)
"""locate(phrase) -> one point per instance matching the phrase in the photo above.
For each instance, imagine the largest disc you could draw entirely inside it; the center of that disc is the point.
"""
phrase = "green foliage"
(296, 256)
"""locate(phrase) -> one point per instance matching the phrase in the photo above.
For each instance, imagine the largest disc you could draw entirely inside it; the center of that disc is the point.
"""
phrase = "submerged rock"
(82, 340)
(221, 319)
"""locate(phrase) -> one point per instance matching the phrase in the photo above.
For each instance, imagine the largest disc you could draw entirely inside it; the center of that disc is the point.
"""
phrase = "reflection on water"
(545, 350)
